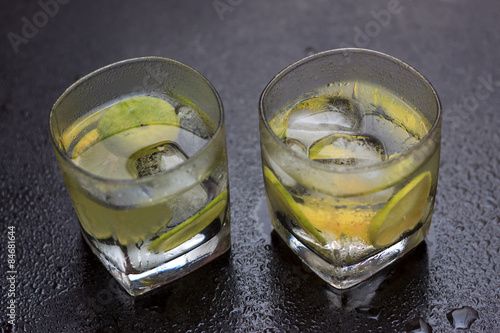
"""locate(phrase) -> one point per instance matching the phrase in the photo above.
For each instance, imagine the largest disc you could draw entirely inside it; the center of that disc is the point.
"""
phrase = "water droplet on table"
(463, 317)
(369, 312)
(418, 325)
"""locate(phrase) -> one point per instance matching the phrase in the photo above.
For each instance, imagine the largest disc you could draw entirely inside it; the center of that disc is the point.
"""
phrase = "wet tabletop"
(59, 286)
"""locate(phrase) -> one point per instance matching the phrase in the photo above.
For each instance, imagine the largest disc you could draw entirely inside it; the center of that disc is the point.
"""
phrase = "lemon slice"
(280, 196)
(192, 226)
(135, 112)
(402, 114)
(401, 213)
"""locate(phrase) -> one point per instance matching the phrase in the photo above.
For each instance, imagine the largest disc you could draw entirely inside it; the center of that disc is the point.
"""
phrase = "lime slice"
(191, 227)
(280, 196)
(136, 112)
(401, 213)
(85, 142)
(95, 157)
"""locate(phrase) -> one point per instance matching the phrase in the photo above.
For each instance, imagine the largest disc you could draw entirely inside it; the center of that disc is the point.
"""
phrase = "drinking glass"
(142, 150)
(350, 142)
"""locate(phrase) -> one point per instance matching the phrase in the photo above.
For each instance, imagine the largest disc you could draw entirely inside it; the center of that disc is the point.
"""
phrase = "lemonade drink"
(146, 172)
(138, 137)
(350, 175)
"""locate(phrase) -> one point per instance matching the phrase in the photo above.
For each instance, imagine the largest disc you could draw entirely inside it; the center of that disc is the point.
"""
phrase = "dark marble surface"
(239, 45)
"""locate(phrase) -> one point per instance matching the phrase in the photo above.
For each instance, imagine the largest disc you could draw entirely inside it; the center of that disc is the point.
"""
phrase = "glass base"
(139, 283)
(347, 276)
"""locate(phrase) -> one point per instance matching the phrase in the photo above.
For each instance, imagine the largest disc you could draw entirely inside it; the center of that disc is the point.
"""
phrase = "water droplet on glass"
(463, 317)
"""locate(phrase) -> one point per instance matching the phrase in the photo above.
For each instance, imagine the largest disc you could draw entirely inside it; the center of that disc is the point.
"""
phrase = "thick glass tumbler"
(350, 142)
(141, 146)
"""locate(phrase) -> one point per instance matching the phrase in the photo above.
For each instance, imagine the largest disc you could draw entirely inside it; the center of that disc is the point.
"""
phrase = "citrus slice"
(85, 142)
(280, 196)
(191, 227)
(401, 114)
(401, 213)
(136, 112)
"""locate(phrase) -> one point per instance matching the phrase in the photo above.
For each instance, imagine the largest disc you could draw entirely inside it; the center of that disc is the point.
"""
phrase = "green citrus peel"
(191, 227)
(284, 200)
(134, 112)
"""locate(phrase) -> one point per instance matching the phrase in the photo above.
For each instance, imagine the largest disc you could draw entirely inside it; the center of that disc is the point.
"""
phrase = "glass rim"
(149, 178)
(346, 52)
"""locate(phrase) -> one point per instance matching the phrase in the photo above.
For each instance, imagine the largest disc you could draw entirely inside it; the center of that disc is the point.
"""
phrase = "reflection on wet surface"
(395, 297)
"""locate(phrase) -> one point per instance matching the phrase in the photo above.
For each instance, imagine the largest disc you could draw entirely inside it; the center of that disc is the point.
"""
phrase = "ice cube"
(348, 150)
(317, 117)
(188, 203)
(396, 136)
(297, 146)
(191, 120)
(154, 159)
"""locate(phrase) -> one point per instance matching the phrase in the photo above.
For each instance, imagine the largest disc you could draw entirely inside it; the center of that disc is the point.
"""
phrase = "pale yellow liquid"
(113, 158)
(343, 220)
